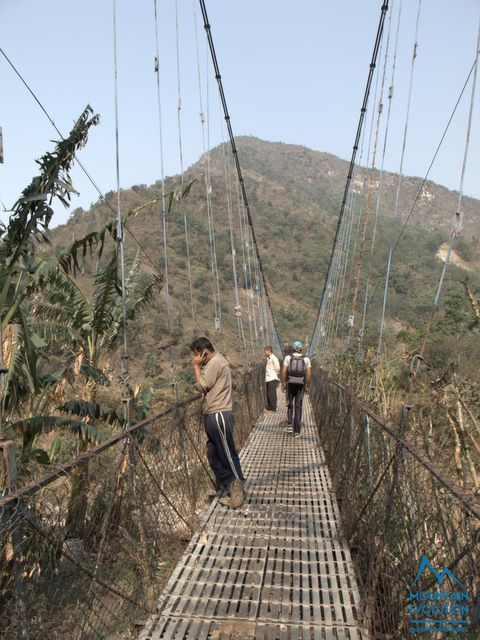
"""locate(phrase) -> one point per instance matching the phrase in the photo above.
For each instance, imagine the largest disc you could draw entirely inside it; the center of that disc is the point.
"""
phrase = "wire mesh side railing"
(405, 520)
(86, 550)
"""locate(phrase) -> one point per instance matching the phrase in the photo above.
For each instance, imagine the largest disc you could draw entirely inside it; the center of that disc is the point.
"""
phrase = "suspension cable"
(216, 295)
(400, 177)
(120, 240)
(331, 283)
(205, 125)
(78, 161)
(95, 185)
(380, 180)
(162, 183)
(432, 162)
(90, 177)
(244, 245)
(363, 110)
(332, 293)
(371, 159)
(179, 95)
(228, 186)
(457, 222)
(218, 77)
(180, 149)
(352, 206)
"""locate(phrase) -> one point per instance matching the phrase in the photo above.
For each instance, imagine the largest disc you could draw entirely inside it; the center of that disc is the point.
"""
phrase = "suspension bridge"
(125, 540)
(278, 568)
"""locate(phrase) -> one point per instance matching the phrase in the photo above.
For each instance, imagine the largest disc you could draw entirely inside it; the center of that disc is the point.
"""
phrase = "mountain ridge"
(294, 195)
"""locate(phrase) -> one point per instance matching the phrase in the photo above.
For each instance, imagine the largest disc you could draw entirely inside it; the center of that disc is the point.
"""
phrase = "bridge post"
(10, 527)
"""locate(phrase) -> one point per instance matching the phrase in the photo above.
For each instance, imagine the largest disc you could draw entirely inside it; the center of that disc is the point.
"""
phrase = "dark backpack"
(296, 371)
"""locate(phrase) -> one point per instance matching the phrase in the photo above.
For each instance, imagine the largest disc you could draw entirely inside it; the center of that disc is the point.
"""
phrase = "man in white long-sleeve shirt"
(272, 371)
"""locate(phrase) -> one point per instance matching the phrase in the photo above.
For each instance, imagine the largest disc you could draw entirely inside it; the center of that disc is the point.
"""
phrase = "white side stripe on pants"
(223, 436)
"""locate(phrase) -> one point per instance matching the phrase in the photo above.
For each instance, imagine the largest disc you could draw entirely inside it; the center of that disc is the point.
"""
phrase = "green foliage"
(72, 317)
(32, 212)
(92, 410)
(32, 427)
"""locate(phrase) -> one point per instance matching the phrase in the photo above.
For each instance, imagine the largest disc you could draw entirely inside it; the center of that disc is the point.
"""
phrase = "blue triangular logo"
(439, 576)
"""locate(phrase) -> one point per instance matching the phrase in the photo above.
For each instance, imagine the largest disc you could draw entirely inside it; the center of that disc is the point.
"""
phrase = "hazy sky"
(293, 72)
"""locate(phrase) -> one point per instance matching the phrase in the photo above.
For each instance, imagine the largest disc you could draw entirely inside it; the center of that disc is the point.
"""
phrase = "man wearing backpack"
(296, 376)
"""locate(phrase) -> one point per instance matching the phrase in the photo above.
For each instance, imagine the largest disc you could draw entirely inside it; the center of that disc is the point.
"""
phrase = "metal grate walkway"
(276, 569)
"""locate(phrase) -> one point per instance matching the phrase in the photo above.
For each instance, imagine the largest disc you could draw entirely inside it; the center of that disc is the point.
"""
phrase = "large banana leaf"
(32, 427)
(32, 212)
(92, 410)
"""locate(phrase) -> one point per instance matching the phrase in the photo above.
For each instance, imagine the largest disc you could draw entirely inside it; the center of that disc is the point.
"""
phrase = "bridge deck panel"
(276, 569)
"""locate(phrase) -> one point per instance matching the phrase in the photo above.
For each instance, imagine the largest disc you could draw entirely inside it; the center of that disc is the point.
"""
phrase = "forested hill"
(294, 195)
(314, 178)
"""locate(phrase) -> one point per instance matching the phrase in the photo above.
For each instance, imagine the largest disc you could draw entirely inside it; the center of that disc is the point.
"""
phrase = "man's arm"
(284, 375)
(308, 376)
(196, 362)
(276, 364)
(197, 371)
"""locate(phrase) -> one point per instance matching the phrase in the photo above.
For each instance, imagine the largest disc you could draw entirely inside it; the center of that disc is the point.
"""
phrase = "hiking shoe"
(225, 501)
(221, 493)
(237, 494)
(297, 435)
(288, 428)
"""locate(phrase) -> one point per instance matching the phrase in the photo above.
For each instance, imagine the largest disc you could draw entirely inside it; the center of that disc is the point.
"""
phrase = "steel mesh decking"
(276, 569)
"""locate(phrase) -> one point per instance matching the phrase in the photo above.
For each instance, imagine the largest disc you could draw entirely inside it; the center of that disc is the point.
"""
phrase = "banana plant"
(43, 309)
(23, 384)
(32, 214)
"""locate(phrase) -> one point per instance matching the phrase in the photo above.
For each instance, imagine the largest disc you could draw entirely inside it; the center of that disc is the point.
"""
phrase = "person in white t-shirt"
(296, 376)
(272, 371)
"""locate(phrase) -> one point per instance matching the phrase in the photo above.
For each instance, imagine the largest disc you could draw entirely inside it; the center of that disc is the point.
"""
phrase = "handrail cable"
(363, 110)
(457, 222)
(468, 501)
(218, 77)
(400, 176)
